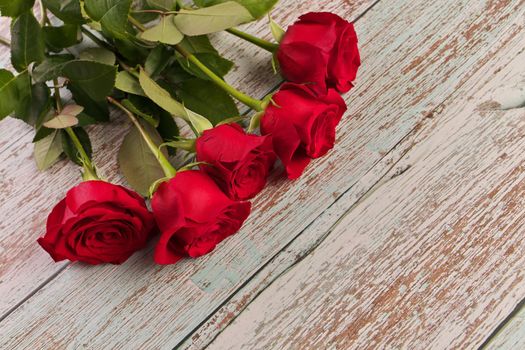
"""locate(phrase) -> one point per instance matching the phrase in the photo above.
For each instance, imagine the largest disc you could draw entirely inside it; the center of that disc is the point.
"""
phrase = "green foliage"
(166, 5)
(14, 8)
(208, 100)
(202, 48)
(69, 148)
(112, 15)
(95, 79)
(164, 32)
(33, 101)
(257, 8)
(141, 68)
(158, 59)
(98, 54)
(212, 19)
(128, 83)
(138, 165)
(163, 98)
(58, 38)
(8, 93)
(48, 150)
(69, 11)
(27, 42)
(50, 68)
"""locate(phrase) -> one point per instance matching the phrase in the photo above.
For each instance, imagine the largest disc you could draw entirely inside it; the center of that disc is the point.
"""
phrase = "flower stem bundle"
(188, 149)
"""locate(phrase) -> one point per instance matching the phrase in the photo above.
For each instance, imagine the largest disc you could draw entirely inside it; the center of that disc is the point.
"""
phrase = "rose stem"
(136, 23)
(263, 44)
(168, 169)
(96, 40)
(89, 169)
(249, 101)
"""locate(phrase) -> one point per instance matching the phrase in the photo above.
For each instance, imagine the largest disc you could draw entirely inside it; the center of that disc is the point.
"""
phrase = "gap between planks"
(244, 111)
(268, 328)
(78, 271)
(290, 256)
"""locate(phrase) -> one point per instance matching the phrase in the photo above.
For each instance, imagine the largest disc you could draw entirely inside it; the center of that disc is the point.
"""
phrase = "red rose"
(194, 215)
(302, 124)
(320, 48)
(97, 223)
(238, 162)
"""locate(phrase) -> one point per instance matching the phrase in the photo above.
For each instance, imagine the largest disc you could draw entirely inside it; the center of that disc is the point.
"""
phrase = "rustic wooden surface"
(408, 235)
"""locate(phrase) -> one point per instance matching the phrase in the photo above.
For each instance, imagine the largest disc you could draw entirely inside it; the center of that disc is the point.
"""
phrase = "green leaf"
(198, 44)
(159, 58)
(68, 11)
(67, 117)
(14, 8)
(212, 19)
(147, 117)
(61, 122)
(167, 5)
(27, 41)
(277, 31)
(219, 65)
(257, 8)
(167, 128)
(98, 54)
(95, 79)
(202, 48)
(94, 111)
(41, 133)
(127, 83)
(69, 148)
(58, 38)
(163, 98)
(160, 96)
(48, 150)
(165, 32)
(143, 17)
(131, 51)
(33, 101)
(137, 163)
(112, 15)
(50, 68)
(8, 93)
(208, 100)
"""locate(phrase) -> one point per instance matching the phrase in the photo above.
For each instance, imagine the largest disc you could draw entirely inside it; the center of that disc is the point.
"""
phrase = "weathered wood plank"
(142, 299)
(431, 258)
(511, 335)
(24, 267)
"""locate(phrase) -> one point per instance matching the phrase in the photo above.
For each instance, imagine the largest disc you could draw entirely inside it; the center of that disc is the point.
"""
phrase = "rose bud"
(238, 162)
(193, 215)
(302, 124)
(98, 222)
(320, 48)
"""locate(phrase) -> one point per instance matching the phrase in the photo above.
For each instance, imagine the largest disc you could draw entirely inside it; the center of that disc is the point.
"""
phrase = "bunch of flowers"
(154, 61)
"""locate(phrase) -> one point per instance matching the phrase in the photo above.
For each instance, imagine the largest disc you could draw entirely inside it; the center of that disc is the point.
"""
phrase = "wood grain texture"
(24, 266)
(416, 55)
(431, 258)
(389, 166)
(511, 336)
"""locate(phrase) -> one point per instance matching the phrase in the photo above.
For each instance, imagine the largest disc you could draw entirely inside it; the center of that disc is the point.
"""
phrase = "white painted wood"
(511, 336)
(24, 266)
(431, 258)
(416, 55)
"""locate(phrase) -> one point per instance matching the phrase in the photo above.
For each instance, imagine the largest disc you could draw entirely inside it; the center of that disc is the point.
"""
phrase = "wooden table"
(410, 234)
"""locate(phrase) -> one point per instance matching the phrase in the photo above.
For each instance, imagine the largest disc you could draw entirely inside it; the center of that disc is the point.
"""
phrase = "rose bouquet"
(153, 60)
